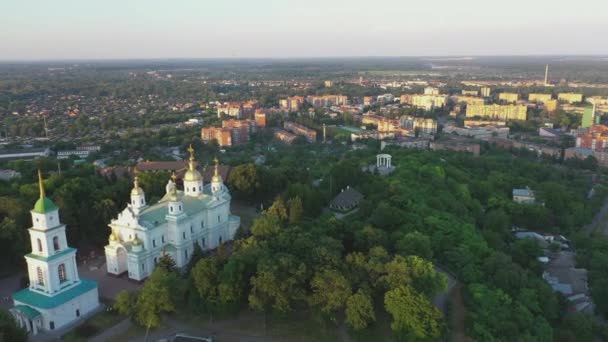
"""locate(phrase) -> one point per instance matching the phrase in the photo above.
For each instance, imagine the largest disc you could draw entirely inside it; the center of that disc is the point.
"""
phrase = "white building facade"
(56, 296)
(142, 233)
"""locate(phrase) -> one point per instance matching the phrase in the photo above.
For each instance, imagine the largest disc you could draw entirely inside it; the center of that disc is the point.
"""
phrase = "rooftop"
(38, 300)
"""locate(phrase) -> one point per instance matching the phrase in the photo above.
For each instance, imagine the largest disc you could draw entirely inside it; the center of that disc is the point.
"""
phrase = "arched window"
(220, 240)
(40, 276)
(193, 189)
(39, 245)
(56, 243)
(62, 275)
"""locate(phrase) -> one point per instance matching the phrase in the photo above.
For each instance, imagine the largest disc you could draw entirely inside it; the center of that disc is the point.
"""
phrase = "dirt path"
(458, 315)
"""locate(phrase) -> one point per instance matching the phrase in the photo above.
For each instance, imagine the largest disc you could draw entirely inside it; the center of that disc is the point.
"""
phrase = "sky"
(134, 29)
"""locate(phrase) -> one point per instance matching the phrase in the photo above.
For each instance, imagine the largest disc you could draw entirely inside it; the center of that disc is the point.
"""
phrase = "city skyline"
(67, 29)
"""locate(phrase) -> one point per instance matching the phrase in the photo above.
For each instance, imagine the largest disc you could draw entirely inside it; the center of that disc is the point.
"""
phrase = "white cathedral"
(56, 295)
(142, 233)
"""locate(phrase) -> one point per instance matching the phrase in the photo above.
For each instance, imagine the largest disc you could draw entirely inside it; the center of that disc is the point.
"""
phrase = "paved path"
(599, 221)
(116, 330)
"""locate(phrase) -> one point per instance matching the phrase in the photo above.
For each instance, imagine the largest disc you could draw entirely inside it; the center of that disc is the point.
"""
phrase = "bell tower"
(52, 263)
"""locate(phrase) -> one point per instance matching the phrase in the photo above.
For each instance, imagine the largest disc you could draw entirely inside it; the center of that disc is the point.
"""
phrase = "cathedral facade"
(56, 296)
(142, 233)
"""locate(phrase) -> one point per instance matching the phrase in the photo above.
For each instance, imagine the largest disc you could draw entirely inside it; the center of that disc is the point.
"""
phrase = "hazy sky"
(74, 29)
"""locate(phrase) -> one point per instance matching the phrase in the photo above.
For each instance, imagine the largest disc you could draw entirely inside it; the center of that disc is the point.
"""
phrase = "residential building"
(142, 233)
(24, 154)
(234, 109)
(470, 92)
(509, 97)
(427, 102)
(540, 98)
(368, 100)
(478, 132)
(551, 105)
(328, 84)
(469, 100)
(7, 175)
(549, 132)
(327, 100)
(570, 97)
(222, 135)
(386, 98)
(292, 103)
(495, 111)
(260, 118)
(56, 295)
(347, 200)
(406, 142)
(423, 126)
(485, 91)
(309, 134)
(382, 123)
(374, 134)
(524, 196)
(595, 139)
(78, 153)
(431, 91)
(455, 145)
(284, 136)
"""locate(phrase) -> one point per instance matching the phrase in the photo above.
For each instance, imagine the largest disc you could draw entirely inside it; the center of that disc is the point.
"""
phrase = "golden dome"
(136, 191)
(113, 237)
(192, 175)
(136, 241)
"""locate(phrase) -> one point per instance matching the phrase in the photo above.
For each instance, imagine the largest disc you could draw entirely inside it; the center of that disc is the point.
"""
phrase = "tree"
(167, 263)
(205, 277)
(265, 226)
(155, 297)
(413, 315)
(125, 302)
(277, 284)
(245, 180)
(415, 272)
(359, 310)
(9, 330)
(295, 210)
(415, 243)
(330, 290)
(278, 211)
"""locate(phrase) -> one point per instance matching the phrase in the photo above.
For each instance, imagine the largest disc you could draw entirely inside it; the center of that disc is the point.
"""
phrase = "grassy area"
(298, 327)
(131, 333)
(93, 326)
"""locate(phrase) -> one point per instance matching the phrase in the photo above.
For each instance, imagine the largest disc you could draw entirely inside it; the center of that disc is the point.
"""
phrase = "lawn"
(93, 326)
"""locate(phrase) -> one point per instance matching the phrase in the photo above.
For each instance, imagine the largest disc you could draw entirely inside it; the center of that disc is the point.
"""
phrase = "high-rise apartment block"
(501, 112)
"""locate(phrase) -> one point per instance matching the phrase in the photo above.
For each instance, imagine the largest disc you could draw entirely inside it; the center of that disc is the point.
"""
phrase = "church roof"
(28, 311)
(38, 300)
(154, 215)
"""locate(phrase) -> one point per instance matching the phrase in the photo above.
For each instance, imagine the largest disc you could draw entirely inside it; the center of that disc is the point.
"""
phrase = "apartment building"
(570, 97)
(327, 100)
(509, 97)
(309, 134)
(292, 103)
(495, 111)
(540, 98)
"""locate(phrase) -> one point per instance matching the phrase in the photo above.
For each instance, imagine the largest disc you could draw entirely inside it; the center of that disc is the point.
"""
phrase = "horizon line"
(124, 59)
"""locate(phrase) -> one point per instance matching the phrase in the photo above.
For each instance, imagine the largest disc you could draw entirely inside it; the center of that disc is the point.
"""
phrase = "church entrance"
(121, 260)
